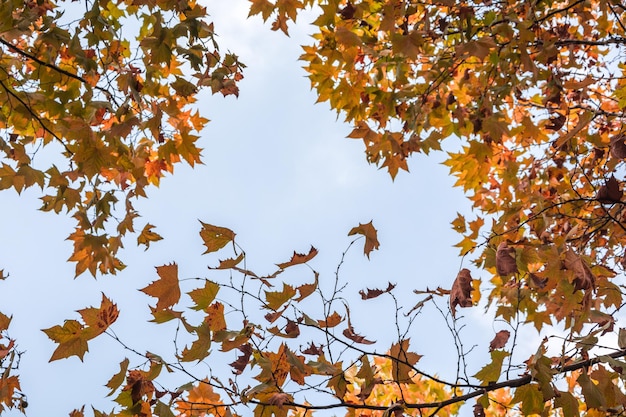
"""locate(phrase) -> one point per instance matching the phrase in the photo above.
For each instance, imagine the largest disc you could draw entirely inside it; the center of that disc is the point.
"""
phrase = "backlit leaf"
(370, 234)
(215, 237)
(166, 288)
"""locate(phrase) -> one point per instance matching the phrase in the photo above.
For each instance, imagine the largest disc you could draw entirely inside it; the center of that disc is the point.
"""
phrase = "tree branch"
(51, 66)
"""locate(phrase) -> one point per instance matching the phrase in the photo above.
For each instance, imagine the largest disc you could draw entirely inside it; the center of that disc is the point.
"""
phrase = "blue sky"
(278, 171)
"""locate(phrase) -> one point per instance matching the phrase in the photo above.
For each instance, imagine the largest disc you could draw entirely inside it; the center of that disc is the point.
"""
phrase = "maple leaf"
(499, 341)
(166, 289)
(139, 385)
(264, 7)
(242, 361)
(70, 338)
(403, 362)
(215, 237)
(5, 350)
(352, 335)
(505, 260)
(147, 235)
(230, 263)
(618, 146)
(331, 321)
(116, 380)
(583, 277)
(275, 299)
(373, 293)
(203, 297)
(491, 372)
(313, 350)
(610, 192)
(460, 293)
(557, 122)
(215, 317)
(5, 321)
(371, 236)
(298, 258)
(279, 399)
(98, 319)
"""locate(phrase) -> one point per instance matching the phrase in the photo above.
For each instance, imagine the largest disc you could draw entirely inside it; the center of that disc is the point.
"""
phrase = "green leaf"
(568, 403)
(117, 379)
(491, 372)
(275, 299)
(203, 297)
(531, 398)
(593, 396)
(70, 340)
(215, 237)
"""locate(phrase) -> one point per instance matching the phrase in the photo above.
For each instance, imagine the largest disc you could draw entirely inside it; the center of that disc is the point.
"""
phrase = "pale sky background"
(280, 173)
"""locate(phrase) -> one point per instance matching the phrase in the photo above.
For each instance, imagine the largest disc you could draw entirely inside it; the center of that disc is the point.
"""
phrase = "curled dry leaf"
(371, 236)
(313, 350)
(242, 361)
(618, 146)
(460, 294)
(279, 399)
(373, 293)
(479, 410)
(610, 193)
(500, 340)
(556, 123)
(505, 260)
(298, 258)
(138, 385)
(583, 277)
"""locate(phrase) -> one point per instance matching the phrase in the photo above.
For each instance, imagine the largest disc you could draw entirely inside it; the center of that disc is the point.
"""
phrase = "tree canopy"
(529, 93)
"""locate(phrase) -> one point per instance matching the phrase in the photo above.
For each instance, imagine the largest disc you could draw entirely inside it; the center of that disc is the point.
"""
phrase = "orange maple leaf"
(166, 289)
(371, 236)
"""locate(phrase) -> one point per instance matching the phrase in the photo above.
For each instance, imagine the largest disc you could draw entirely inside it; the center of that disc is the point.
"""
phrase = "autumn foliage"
(530, 95)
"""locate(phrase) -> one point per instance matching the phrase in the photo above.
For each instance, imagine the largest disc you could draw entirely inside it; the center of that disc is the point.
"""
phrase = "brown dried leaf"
(242, 361)
(505, 260)
(351, 334)
(460, 293)
(292, 329)
(403, 361)
(373, 293)
(371, 236)
(618, 146)
(331, 321)
(584, 278)
(138, 385)
(610, 193)
(500, 340)
(556, 123)
(313, 350)
(299, 258)
(479, 410)
(279, 399)
(538, 281)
